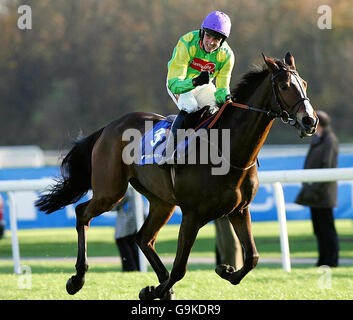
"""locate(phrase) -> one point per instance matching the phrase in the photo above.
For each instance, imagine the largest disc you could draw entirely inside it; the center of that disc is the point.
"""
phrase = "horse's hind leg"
(109, 186)
(241, 222)
(75, 283)
(85, 212)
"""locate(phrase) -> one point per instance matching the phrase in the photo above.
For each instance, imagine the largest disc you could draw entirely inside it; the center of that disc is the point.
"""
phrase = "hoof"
(74, 284)
(169, 295)
(225, 271)
(235, 279)
(229, 273)
(147, 293)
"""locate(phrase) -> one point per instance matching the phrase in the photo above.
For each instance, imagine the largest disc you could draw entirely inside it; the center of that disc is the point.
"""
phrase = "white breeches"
(195, 99)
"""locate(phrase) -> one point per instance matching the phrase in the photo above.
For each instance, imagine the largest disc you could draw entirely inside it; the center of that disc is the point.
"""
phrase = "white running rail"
(10, 186)
(273, 177)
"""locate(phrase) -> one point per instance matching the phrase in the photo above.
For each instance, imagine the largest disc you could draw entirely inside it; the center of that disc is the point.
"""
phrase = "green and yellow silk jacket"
(190, 59)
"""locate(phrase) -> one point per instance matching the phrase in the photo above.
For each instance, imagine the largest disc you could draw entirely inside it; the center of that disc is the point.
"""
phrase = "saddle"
(153, 143)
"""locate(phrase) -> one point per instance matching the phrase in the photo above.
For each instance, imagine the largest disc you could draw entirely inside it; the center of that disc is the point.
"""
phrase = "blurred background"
(85, 63)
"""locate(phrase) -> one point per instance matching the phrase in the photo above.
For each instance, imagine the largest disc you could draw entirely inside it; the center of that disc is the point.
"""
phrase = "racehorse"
(96, 162)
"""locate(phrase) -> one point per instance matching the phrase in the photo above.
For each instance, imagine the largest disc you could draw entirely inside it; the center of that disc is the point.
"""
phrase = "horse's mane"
(251, 80)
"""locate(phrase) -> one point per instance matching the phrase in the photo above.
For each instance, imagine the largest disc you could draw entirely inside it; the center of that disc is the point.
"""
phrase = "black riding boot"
(172, 137)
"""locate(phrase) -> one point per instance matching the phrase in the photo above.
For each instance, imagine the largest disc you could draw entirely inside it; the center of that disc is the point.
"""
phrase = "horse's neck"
(250, 131)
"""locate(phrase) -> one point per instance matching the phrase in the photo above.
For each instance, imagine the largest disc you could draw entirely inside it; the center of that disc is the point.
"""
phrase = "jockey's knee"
(187, 102)
(198, 98)
(204, 95)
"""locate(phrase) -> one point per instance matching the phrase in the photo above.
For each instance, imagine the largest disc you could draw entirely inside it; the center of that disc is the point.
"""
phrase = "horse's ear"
(270, 63)
(289, 59)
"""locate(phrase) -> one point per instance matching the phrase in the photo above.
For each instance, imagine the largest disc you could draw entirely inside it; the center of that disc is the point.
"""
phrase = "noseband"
(284, 114)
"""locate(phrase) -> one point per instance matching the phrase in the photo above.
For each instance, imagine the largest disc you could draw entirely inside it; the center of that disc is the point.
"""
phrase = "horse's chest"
(219, 195)
(220, 201)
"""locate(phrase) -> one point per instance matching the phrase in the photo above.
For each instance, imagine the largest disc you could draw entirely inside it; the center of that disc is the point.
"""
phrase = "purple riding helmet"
(218, 22)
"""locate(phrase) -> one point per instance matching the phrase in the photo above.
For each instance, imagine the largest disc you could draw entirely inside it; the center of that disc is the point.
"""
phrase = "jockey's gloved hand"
(202, 79)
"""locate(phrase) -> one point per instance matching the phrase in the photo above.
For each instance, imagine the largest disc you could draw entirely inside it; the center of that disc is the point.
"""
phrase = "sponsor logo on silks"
(201, 65)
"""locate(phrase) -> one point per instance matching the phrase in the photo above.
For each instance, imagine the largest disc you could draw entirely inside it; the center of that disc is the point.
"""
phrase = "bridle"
(284, 114)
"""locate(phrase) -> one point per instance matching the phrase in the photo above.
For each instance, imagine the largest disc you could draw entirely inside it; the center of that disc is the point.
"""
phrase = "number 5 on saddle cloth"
(153, 143)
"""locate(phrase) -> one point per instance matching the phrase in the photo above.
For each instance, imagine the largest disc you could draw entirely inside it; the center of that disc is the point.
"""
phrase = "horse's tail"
(76, 176)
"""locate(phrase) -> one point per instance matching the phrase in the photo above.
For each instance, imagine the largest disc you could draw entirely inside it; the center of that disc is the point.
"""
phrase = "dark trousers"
(128, 253)
(326, 235)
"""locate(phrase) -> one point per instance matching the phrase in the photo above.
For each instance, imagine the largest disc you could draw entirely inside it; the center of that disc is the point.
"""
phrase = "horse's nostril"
(308, 122)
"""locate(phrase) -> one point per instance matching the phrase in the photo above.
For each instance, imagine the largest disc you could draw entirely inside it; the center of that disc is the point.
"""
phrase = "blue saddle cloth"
(153, 143)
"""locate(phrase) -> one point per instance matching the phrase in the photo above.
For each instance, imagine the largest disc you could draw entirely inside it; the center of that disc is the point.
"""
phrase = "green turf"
(63, 242)
(103, 281)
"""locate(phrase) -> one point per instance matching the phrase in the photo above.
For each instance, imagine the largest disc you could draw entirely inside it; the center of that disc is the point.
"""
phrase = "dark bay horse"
(96, 162)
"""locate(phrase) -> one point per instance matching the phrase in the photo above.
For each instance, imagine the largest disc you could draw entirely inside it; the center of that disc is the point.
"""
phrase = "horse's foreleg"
(159, 214)
(187, 235)
(241, 222)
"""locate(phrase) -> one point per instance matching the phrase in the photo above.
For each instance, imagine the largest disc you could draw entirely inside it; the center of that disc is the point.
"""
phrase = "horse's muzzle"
(307, 126)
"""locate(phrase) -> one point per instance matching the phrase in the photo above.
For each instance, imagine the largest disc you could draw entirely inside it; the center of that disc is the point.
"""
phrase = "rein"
(282, 114)
(269, 113)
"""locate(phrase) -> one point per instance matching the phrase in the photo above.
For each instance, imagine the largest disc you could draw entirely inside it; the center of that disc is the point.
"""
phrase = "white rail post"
(139, 212)
(281, 213)
(14, 238)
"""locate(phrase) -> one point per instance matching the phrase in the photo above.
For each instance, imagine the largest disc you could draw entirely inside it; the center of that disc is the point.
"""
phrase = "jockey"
(198, 58)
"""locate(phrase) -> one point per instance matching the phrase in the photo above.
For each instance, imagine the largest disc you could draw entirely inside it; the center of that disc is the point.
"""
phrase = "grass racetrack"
(47, 260)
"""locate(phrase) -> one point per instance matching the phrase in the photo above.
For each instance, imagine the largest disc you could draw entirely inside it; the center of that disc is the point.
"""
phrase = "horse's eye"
(284, 86)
